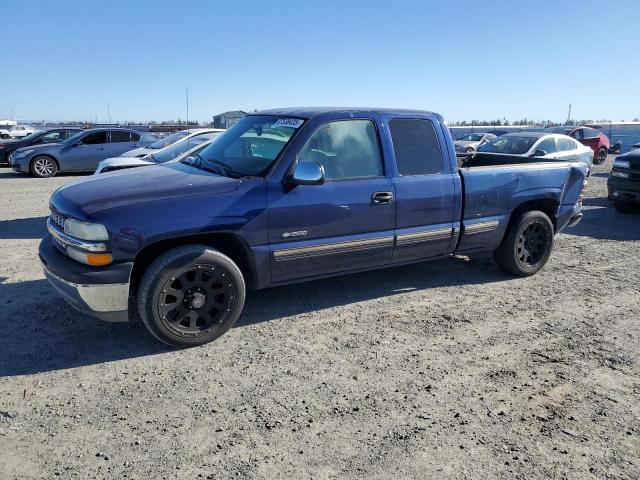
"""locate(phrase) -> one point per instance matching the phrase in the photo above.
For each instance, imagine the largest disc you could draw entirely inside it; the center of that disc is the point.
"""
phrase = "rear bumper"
(101, 293)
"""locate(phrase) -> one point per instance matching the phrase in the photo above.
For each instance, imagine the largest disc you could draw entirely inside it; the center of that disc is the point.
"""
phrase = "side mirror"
(539, 153)
(307, 173)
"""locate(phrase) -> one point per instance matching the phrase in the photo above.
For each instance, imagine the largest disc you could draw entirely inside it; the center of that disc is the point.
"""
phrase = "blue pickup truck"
(290, 195)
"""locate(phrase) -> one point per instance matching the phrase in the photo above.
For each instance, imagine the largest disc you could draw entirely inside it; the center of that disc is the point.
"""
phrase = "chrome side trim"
(481, 227)
(109, 297)
(331, 248)
(74, 242)
(418, 237)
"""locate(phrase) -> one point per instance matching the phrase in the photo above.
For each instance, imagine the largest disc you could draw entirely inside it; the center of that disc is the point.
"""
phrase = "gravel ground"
(449, 369)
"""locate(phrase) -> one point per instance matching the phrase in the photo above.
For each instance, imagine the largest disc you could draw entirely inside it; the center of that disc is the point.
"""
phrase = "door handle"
(381, 198)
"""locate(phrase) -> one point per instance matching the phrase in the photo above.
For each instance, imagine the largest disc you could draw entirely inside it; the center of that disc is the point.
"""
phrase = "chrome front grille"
(57, 219)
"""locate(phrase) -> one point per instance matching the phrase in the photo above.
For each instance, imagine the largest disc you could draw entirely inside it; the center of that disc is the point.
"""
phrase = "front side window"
(54, 136)
(548, 145)
(416, 147)
(250, 147)
(591, 133)
(95, 138)
(347, 149)
(120, 136)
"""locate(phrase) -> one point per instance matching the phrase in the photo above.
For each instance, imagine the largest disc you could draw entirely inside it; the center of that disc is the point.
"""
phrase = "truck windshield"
(509, 145)
(249, 148)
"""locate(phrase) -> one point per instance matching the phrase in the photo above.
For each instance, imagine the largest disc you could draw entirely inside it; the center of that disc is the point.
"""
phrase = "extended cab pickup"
(290, 195)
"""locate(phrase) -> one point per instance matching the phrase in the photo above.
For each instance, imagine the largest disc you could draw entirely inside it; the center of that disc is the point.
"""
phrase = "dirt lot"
(448, 369)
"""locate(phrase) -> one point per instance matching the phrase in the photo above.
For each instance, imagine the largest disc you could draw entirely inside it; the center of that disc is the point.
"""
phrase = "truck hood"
(137, 185)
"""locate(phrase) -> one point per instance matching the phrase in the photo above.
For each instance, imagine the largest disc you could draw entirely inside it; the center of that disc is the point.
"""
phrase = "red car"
(590, 137)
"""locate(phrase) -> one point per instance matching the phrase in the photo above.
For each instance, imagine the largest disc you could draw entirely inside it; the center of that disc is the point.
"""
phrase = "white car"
(176, 137)
(472, 141)
(175, 151)
(19, 131)
(549, 146)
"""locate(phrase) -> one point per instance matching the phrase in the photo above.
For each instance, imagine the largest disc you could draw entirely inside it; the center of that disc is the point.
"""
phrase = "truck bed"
(491, 194)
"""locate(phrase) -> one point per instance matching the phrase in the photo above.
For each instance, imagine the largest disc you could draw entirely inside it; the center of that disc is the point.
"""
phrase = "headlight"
(621, 163)
(620, 174)
(22, 153)
(85, 231)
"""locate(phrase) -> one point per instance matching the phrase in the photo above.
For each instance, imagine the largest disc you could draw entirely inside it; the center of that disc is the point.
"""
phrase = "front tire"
(601, 157)
(43, 167)
(527, 244)
(625, 207)
(191, 295)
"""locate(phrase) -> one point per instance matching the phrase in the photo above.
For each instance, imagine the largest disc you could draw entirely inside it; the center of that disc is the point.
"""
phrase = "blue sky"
(65, 60)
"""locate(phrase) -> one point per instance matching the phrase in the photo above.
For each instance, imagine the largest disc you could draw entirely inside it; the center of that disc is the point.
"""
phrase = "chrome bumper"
(108, 302)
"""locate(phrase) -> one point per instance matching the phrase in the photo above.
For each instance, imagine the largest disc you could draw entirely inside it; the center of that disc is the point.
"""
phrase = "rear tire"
(626, 207)
(190, 296)
(601, 157)
(527, 245)
(43, 167)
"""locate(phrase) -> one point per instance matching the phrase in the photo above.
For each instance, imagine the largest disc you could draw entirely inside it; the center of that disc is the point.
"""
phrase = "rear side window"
(120, 136)
(548, 145)
(95, 138)
(565, 144)
(591, 133)
(416, 147)
(577, 134)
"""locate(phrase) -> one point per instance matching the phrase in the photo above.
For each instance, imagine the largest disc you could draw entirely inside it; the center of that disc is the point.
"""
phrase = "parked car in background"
(538, 146)
(4, 131)
(51, 135)
(167, 154)
(290, 195)
(624, 182)
(19, 131)
(176, 137)
(471, 141)
(636, 145)
(80, 153)
(597, 141)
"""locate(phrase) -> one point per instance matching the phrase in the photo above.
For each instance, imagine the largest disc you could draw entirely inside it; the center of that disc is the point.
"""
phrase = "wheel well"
(45, 155)
(231, 245)
(546, 205)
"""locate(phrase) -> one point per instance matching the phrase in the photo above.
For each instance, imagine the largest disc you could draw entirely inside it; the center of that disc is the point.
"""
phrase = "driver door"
(87, 153)
(346, 223)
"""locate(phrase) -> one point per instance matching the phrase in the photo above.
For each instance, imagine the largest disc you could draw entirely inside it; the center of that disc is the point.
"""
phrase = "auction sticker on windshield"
(288, 122)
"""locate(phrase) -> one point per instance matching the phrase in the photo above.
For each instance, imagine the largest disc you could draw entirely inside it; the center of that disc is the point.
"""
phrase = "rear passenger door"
(120, 143)
(427, 191)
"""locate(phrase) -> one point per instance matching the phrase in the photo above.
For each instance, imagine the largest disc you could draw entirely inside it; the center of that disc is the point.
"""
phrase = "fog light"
(93, 259)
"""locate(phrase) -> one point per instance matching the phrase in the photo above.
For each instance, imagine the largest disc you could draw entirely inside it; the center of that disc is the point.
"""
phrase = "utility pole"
(186, 90)
(569, 114)
(109, 113)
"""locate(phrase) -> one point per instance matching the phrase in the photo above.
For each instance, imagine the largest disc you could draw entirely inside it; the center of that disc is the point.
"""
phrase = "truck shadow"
(46, 334)
(601, 221)
(23, 228)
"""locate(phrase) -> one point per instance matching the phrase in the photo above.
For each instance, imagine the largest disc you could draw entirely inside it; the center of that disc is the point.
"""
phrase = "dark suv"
(51, 135)
(588, 136)
(624, 182)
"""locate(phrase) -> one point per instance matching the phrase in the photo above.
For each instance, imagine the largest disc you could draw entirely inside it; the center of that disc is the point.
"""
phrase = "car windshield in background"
(174, 151)
(168, 140)
(509, 145)
(249, 148)
(472, 137)
(563, 130)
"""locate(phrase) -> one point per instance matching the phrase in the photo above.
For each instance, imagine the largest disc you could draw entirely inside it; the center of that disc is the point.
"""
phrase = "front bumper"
(623, 189)
(102, 293)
